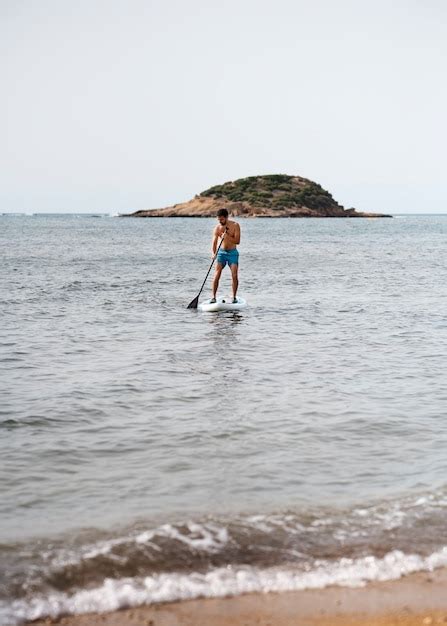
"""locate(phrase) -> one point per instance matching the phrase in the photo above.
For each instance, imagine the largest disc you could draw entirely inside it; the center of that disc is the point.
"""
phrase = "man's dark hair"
(222, 213)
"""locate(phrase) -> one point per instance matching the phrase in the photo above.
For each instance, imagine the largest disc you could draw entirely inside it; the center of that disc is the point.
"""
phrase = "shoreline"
(419, 598)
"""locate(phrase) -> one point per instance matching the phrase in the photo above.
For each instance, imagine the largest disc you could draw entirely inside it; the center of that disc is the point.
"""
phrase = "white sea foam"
(205, 537)
(225, 581)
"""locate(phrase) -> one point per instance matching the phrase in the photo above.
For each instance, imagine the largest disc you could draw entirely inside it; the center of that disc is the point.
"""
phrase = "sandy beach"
(418, 599)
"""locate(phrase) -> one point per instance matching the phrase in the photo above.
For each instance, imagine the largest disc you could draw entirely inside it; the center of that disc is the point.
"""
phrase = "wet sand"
(419, 599)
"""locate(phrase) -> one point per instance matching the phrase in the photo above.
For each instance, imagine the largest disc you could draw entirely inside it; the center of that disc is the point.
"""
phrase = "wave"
(219, 556)
(115, 594)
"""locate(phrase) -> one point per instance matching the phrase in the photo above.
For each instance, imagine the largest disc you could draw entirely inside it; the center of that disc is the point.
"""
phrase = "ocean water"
(152, 453)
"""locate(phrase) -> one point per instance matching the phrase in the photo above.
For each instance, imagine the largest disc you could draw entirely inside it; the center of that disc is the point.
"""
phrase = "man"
(231, 233)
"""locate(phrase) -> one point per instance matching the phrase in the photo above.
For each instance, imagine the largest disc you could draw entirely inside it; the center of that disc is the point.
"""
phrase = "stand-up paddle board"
(222, 304)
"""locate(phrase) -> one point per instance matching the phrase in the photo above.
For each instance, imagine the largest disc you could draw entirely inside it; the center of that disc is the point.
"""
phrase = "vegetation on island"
(274, 191)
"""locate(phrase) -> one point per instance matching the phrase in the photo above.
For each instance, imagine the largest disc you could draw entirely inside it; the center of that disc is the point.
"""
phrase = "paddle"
(193, 304)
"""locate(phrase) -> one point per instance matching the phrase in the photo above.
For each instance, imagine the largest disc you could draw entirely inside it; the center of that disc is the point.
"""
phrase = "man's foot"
(213, 301)
(234, 300)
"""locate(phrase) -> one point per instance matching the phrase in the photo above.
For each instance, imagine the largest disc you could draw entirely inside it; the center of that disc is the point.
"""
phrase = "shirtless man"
(228, 253)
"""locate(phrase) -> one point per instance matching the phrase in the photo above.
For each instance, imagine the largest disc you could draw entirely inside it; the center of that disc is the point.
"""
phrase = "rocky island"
(274, 195)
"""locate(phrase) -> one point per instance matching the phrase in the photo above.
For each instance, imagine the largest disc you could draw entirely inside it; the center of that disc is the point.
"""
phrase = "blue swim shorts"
(228, 256)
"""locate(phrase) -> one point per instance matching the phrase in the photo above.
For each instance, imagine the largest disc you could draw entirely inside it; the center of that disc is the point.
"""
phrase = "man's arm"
(215, 240)
(235, 236)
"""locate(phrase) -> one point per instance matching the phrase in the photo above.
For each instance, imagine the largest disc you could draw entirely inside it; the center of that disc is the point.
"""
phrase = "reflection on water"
(224, 319)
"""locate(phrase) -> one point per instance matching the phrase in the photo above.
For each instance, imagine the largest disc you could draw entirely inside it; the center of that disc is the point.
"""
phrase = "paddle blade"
(193, 304)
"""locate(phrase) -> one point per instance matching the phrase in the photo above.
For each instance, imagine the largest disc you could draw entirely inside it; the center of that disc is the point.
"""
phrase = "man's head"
(222, 216)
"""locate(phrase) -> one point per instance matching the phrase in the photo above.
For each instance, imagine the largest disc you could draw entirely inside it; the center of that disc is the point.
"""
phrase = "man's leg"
(234, 278)
(216, 278)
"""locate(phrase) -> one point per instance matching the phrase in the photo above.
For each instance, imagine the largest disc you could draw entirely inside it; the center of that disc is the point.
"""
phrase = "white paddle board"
(222, 304)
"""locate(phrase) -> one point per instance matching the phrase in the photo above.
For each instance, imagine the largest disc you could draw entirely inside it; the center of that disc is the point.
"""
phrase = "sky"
(118, 105)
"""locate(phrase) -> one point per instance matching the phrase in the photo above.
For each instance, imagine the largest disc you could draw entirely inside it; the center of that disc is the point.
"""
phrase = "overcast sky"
(117, 105)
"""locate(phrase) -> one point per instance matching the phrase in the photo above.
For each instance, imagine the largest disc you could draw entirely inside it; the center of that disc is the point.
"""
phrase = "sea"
(151, 453)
